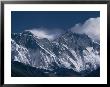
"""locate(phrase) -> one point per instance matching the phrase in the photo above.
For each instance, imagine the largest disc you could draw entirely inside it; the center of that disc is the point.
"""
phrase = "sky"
(53, 23)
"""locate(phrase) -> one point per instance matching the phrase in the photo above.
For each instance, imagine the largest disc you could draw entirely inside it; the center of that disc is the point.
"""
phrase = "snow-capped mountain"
(72, 51)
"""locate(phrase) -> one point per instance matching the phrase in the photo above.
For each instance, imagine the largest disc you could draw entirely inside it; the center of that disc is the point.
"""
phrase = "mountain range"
(70, 54)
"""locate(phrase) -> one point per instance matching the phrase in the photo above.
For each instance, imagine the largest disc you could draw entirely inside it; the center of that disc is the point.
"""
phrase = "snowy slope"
(71, 51)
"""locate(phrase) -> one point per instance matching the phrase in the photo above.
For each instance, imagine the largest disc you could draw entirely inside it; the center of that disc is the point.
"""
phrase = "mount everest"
(71, 53)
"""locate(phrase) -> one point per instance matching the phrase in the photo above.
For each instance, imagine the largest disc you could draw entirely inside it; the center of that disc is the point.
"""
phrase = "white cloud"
(91, 27)
(41, 34)
(50, 34)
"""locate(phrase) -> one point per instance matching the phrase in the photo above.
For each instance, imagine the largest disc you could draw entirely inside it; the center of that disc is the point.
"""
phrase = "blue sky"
(50, 21)
(22, 20)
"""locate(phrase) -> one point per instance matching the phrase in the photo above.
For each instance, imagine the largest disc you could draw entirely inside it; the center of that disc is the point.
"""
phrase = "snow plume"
(42, 34)
(50, 34)
(91, 27)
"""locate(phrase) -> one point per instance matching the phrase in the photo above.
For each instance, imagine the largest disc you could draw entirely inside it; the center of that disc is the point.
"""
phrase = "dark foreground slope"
(20, 70)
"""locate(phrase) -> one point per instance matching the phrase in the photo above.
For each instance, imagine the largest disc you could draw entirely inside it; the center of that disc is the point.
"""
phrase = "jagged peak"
(27, 32)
